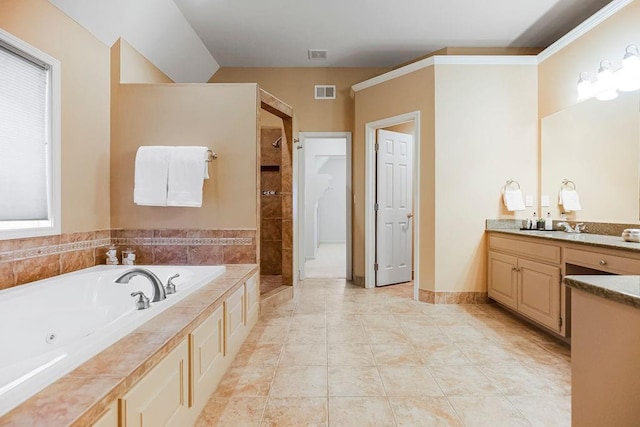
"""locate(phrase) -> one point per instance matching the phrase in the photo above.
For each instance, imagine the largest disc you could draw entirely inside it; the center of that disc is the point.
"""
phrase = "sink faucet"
(579, 227)
(158, 289)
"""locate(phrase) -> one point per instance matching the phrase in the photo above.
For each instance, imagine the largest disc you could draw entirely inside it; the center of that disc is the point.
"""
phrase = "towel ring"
(567, 183)
(211, 156)
(510, 182)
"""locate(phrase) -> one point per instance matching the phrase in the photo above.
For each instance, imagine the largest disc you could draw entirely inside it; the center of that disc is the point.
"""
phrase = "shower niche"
(275, 219)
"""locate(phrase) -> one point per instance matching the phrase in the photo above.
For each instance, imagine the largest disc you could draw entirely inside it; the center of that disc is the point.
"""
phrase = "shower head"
(277, 142)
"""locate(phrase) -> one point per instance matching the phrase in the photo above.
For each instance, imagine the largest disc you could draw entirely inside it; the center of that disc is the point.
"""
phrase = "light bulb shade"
(585, 87)
(605, 87)
(629, 74)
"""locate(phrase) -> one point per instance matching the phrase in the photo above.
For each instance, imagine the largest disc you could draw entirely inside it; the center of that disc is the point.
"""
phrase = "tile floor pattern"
(341, 355)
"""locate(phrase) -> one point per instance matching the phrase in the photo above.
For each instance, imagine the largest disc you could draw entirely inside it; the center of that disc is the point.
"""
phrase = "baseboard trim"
(434, 297)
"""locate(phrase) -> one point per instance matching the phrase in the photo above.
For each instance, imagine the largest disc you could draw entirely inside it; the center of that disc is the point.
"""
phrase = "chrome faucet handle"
(142, 302)
(171, 287)
(580, 227)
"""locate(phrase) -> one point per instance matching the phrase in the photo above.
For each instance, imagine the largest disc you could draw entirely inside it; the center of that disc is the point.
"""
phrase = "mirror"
(595, 144)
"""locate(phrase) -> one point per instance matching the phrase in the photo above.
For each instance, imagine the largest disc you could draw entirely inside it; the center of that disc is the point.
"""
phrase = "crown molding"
(445, 60)
(589, 24)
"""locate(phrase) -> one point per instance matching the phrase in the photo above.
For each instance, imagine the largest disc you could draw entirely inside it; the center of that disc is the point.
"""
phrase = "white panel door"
(394, 203)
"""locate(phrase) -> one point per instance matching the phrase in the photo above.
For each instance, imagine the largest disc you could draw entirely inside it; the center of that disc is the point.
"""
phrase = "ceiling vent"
(325, 92)
(317, 53)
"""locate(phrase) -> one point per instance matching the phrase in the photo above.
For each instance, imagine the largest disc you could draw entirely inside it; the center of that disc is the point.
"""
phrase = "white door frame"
(370, 196)
(301, 197)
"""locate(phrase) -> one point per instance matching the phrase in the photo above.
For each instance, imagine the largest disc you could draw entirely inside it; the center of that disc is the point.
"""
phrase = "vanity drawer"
(602, 261)
(540, 251)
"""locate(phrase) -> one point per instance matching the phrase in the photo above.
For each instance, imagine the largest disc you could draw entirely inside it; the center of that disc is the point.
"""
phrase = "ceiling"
(372, 33)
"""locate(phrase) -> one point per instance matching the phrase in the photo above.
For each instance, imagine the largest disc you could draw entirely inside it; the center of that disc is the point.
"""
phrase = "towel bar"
(566, 183)
(511, 181)
(211, 156)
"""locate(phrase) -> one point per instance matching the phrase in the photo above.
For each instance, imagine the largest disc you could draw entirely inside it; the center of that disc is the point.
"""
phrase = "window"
(29, 140)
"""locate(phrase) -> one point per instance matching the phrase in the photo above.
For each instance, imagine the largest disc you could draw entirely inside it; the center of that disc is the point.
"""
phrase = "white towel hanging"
(150, 176)
(186, 176)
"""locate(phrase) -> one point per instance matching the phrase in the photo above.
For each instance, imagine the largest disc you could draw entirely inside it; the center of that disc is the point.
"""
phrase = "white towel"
(513, 200)
(186, 176)
(150, 181)
(570, 200)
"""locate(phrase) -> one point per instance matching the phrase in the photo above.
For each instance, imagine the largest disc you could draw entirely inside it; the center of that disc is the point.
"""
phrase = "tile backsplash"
(26, 260)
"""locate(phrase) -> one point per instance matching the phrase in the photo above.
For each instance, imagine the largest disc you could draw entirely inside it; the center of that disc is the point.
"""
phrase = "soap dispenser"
(548, 222)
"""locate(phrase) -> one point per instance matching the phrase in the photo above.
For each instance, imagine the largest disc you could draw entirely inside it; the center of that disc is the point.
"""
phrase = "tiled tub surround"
(30, 259)
(59, 323)
(189, 247)
(80, 397)
(26, 260)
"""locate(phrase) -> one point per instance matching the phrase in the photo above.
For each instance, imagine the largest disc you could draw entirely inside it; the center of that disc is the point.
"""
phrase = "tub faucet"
(158, 289)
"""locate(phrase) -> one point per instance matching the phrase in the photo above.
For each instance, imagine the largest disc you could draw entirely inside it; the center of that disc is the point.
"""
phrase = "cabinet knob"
(603, 262)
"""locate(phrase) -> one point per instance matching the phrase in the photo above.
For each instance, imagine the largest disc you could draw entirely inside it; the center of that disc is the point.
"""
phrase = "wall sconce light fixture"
(609, 82)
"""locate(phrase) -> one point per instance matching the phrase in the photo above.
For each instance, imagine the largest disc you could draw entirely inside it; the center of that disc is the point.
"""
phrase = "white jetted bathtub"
(49, 327)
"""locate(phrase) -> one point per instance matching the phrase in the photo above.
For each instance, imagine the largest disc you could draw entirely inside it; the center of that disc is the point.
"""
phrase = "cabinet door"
(539, 293)
(503, 280)
(207, 348)
(161, 397)
(253, 300)
(234, 319)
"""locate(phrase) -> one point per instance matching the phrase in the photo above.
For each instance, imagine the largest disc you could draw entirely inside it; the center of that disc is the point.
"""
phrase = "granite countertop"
(80, 397)
(622, 289)
(599, 240)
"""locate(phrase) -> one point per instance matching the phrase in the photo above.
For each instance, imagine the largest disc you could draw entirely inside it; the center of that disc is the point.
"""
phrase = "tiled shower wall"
(26, 260)
(270, 203)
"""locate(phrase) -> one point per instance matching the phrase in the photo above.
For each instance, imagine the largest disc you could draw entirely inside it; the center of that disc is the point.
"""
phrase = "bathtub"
(49, 327)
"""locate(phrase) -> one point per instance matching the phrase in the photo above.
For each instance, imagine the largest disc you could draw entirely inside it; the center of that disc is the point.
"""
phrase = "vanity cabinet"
(602, 260)
(161, 397)
(525, 276)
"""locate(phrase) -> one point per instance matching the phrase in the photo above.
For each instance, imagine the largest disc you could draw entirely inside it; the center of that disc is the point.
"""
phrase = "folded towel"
(151, 170)
(513, 200)
(570, 200)
(186, 176)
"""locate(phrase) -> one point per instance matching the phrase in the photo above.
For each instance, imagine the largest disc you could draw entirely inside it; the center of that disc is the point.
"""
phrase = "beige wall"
(486, 133)
(222, 117)
(295, 86)
(406, 94)
(558, 75)
(135, 68)
(475, 134)
(85, 106)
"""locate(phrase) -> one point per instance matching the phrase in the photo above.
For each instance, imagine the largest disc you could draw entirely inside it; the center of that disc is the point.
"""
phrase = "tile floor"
(330, 261)
(340, 355)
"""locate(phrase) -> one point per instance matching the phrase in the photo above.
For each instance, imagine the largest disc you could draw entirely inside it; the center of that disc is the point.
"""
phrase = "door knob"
(409, 215)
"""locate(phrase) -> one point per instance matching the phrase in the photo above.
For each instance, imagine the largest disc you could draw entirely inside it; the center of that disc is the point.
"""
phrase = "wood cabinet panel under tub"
(162, 395)
(208, 358)
(252, 288)
(109, 417)
(234, 319)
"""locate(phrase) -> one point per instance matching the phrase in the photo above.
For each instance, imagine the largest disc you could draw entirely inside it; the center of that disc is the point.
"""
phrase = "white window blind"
(24, 130)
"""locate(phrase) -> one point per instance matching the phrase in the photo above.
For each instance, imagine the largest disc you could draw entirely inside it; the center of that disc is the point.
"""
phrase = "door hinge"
(376, 146)
(375, 267)
(376, 207)
(560, 322)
